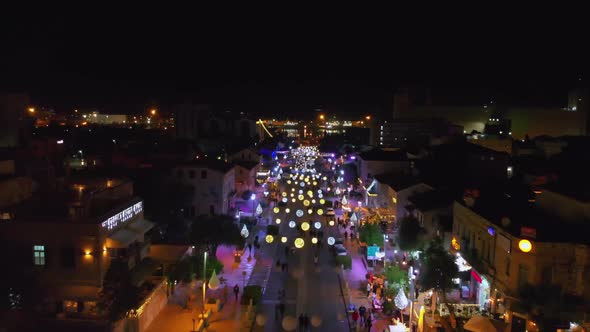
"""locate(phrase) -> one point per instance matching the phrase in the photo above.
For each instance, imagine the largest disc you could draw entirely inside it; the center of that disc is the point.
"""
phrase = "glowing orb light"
(299, 213)
(331, 241)
(317, 225)
(292, 224)
(322, 201)
(313, 201)
(315, 183)
(310, 193)
(285, 199)
(269, 238)
(305, 226)
(302, 184)
(301, 197)
(314, 240)
(278, 220)
(287, 210)
(320, 212)
(284, 194)
(320, 196)
(306, 202)
(300, 191)
(293, 200)
(288, 181)
(310, 211)
(331, 223)
(525, 245)
(283, 239)
(299, 243)
(292, 195)
(276, 209)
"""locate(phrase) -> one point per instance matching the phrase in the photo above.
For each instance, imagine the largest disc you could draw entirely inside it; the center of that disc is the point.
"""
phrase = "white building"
(378, 161)
(213, 185)
(393, 190)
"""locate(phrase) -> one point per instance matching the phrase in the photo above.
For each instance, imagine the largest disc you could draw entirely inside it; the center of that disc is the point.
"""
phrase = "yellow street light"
(368, 117)
(153, 111)
(269, 238)
(322, 117)
(283, 239)
(320, 212)
(276, 209)
(305, 226)
(31, 110)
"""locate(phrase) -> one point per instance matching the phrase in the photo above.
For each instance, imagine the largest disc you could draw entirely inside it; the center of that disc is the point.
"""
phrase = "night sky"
(130, 63)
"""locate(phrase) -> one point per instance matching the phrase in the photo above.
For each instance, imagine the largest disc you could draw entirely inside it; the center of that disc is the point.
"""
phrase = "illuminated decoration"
(263, 127)
(299, 213)
(276, 209)
(491, 231)
(320, 212)
(259, 209)
(299, 243)
(319, 191)
(320, 195)
(324, 178)
(283, 239)
(278, 220)
(244, 232)
(328, 189)
(269, 238)
(266, 193)
(302, 184)
(300, 191)
(288, 181)
(322, 201)
(284, 194)
(401, 301)
(525, 245)
(310, 211)
(121, 217)
(331, 241)
(306, 202)
(314, 240)
(310, 193)
(317, 225)
(287, 210)
(292, 195)
(305, 226)
(301, 197)
(455, 244)
(315, 183)
(462, 264)
(476, 276)
(292, 224)
(354, 218)
(331, 222)
(292, 189)
(337, 191)
(285, 199)
(344, 200)
(293, 200)
(313, 201)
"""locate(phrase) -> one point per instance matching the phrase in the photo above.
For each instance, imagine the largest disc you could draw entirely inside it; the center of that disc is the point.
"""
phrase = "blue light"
(491, 231)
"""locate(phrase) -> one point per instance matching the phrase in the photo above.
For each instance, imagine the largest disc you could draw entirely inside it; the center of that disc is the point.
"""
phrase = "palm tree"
(439, 270)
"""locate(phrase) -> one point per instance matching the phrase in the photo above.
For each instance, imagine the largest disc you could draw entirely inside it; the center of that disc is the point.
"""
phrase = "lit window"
(70, 306)
(39, 255)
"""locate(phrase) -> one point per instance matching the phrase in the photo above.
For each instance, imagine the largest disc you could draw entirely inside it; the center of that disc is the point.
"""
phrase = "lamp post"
(253, 199)
(204, 278)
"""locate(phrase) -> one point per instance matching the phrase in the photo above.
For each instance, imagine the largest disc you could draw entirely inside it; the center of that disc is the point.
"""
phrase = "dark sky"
(128, 63)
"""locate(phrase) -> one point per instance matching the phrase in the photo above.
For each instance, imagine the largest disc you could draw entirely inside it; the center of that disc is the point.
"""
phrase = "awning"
(141, 226)
(121, 238)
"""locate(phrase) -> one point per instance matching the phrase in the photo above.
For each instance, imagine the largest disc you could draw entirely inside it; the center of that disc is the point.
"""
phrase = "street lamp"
(204, 278)
(253, 199)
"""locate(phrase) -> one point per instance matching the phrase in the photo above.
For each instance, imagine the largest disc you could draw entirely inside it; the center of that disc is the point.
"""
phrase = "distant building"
(107, 119)
(391, 192)
(434, 211)
(245, 174)
(213, 184)
(245, 154)
(195, 121)
(492, 142)
(398, 133)
(16, 120)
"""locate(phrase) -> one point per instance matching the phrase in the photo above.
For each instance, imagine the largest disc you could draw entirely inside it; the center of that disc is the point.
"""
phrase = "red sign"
(475, 276)
(528, 232)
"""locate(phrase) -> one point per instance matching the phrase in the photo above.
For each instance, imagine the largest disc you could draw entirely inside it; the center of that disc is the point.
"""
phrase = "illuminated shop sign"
(123, 216)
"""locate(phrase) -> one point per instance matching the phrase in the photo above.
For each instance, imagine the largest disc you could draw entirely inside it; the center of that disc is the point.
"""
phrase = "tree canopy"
(439, 268)
(410, 235)
(209, 232)
(371, 234)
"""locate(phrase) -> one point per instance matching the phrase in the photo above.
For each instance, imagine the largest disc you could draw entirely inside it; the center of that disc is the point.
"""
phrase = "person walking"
(236, 292)
(301, 321)
(369, 323)
(362, 312)
(305, 323)
(369, 288)
(355, 318)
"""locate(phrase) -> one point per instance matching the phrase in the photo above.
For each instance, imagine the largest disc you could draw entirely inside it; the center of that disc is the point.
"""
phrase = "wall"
(403, 195)
(563, 206)
(375, 167)
(211, 191)
(14, 190)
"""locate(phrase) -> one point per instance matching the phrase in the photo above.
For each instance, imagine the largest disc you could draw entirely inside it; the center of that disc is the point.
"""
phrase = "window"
(39, 255)
(507, 265)
(203, 174)
(523, 274)
(68, 257)
(547, 275)
(191, 174)
(179, 173)
(70, 306)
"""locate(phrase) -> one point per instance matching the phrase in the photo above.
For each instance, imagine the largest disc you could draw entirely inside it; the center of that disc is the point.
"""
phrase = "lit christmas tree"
(401, 301)
(258, 210)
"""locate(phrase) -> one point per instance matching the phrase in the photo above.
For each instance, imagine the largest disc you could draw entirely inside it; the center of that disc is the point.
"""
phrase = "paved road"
(310, 289)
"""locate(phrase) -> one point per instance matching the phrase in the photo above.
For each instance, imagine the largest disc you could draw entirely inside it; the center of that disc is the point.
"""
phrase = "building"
(503, 245)
(212, 183)
(434, 211)
(500, 143)
(196, 121)
(106, 119)
(72, 238)
(380, 161)
(245, 174)
(16, 120)
(400, 132)
(244, 154)
(391, 192)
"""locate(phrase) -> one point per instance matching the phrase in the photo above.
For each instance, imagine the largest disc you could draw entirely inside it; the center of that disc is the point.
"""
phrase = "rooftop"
(218, 165)
(246, 164)
(431, 200)
(549, 228)
(397, 181)
(384, 155)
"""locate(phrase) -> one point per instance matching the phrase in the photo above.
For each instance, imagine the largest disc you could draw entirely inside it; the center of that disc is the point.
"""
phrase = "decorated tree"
(410, 235)
(439, 270)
